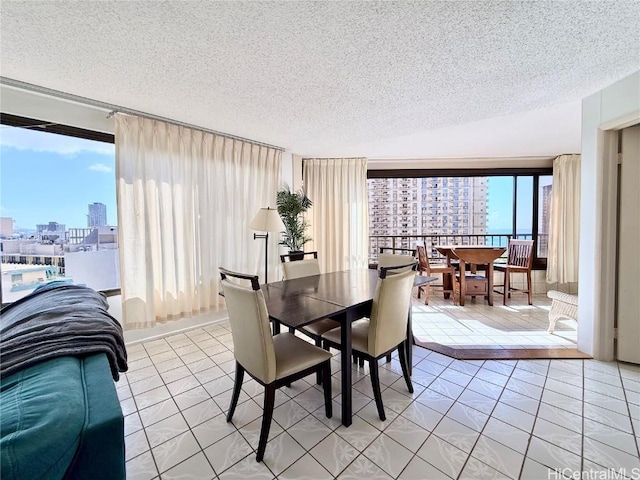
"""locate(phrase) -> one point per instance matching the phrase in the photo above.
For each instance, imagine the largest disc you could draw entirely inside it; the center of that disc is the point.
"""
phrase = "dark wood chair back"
(399, 251)
(520, 254)
(292, 257)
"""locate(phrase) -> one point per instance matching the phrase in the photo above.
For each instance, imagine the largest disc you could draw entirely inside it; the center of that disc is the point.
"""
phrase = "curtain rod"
(112, 109)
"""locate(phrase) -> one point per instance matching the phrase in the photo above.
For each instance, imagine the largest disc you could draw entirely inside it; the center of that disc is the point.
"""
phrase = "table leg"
(463, 285)
(345, 361)
(447, 280)
(490, 283)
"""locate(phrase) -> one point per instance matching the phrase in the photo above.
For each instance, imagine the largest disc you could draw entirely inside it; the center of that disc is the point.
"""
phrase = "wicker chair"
(563, 305)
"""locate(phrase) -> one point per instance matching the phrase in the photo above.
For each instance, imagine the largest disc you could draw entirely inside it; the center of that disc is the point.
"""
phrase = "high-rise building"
(427, 206)
(97, 215)
(6, 226)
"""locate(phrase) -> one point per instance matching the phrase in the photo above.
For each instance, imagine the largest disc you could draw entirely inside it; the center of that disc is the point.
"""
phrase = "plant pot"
(296, 255)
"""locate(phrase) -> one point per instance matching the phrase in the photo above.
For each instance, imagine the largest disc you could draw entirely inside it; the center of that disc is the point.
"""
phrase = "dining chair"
(519, 260)
(306, 268)
(293, 257)
(394, 260)
(386, 328)
(447, 271)
(272, 361)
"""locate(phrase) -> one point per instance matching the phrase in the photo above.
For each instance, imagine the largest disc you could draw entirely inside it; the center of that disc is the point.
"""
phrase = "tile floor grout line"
(489, 416)
(179, 409)
(453, 367)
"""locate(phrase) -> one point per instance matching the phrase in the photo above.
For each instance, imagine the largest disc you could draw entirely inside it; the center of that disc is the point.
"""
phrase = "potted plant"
(291, 206)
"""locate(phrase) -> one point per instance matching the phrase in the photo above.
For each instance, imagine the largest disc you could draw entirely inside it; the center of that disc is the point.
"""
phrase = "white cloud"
(100, 167)
(31, 139)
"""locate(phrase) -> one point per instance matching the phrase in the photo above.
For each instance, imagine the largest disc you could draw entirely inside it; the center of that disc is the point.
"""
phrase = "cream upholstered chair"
(307, 268)
(300, 268)
(272, 361)
(519, 260)
(395, 259)
(386, 329)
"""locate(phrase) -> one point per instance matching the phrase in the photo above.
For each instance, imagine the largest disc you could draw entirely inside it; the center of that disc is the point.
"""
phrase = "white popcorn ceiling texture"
(321, 77)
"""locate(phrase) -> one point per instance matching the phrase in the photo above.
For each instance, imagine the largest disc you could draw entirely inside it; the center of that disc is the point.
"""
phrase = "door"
(628, 291)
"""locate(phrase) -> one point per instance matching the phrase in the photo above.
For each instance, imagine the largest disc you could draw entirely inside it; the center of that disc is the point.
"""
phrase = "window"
(497, 204)
(57, 193)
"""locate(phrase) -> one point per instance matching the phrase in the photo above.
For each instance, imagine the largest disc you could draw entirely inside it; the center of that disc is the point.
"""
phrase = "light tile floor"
(465, 420)
(516, 325)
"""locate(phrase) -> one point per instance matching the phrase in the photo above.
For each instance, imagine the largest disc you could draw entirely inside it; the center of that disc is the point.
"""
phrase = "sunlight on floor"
(516, 325)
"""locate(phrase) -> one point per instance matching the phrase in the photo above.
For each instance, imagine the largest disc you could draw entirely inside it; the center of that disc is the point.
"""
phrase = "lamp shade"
(267, 220)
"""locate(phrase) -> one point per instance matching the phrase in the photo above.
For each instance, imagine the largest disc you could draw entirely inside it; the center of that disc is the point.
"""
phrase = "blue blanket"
(58, 320)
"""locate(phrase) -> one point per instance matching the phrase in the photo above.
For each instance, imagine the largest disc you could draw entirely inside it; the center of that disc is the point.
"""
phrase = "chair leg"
(361, 361)
(292, 330)
(375, 384)
(388, 358)
(318, 374)
(403, 363)
(529, 291)
(269, 401)
(237, 386)
(326, 386)
(506, 287)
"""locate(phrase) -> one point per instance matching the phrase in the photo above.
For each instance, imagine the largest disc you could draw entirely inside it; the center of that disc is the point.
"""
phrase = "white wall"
(99, 270)
(614, 107)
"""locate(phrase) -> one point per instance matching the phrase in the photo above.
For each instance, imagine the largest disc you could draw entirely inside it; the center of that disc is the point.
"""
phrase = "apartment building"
(426, 206)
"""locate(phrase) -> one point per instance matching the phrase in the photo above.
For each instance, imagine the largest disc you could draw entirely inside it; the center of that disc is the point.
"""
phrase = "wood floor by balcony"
(480, 331)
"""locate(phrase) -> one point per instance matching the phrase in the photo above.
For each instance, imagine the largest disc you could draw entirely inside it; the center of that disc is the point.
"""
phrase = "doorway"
(628, 252)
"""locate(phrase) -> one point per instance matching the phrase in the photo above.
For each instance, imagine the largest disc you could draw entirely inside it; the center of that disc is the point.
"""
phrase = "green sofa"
(61, 418)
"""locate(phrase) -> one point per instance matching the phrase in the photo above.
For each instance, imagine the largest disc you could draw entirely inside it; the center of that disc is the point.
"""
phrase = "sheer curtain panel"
(564, 225)
(339, 216)
(185, 198)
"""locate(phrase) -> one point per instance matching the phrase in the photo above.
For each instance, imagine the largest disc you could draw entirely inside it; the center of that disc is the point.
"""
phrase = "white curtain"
(564, 228)
(339, 216)
(185, 198)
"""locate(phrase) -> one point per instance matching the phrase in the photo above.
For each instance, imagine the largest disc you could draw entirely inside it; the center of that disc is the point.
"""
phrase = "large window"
(477, 206)
(58, 207)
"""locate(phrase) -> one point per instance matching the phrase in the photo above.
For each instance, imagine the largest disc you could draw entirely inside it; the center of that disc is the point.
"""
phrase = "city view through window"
(463, 210)
(58, 211)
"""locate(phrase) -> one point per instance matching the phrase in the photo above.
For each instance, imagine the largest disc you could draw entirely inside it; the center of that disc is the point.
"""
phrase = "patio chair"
(273, 362)
(386, 329)
(519, 260)
(431, 269)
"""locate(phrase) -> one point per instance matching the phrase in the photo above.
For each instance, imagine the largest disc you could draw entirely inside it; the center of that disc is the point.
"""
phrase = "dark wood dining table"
(343, 296)
(472, 255)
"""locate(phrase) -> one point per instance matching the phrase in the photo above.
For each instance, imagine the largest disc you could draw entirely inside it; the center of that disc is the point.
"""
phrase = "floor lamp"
(266, 220)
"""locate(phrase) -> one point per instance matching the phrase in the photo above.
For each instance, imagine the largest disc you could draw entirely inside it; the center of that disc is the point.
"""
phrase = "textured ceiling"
(322, 78)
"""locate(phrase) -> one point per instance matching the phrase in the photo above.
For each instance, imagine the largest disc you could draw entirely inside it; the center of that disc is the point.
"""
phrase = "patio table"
(473, 255)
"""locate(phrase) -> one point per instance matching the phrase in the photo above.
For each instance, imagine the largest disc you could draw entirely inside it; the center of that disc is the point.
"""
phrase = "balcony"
(498, 240)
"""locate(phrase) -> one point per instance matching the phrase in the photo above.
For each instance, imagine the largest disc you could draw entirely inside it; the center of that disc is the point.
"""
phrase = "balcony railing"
(497, 240)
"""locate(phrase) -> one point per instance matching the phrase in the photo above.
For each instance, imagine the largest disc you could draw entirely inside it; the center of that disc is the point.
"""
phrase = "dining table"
(344, 296)
(472, 255)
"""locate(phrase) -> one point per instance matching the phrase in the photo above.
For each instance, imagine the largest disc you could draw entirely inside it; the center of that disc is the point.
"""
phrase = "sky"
(46, 177)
